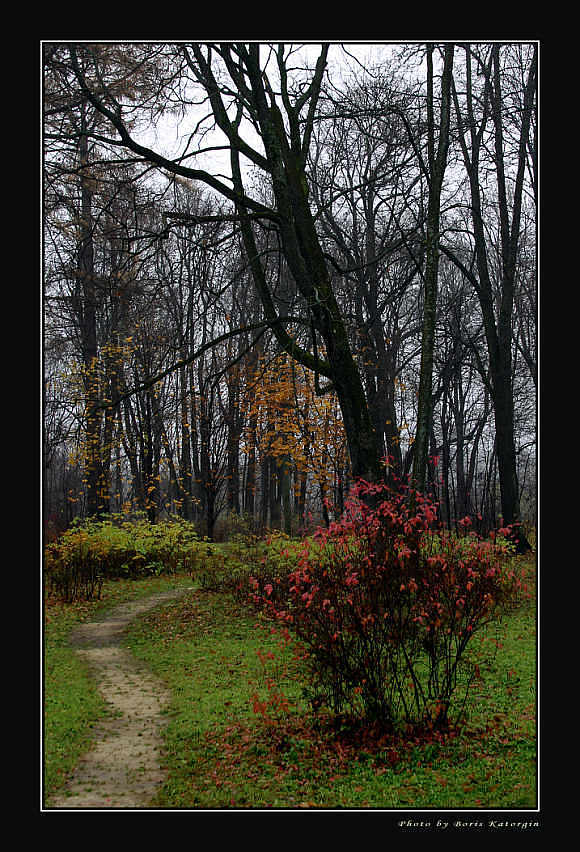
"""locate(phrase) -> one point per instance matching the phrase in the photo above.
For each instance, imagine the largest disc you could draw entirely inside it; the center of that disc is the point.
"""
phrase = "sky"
(169, 135)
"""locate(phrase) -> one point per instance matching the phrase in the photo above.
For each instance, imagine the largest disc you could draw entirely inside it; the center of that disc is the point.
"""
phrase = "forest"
(272, 269)
(289, 362)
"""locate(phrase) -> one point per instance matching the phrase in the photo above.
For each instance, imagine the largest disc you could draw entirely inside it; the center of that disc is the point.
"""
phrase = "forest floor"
(152, 701)
(123, 769)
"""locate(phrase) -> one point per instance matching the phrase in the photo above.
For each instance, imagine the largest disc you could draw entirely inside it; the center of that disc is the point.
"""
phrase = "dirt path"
(123, 770)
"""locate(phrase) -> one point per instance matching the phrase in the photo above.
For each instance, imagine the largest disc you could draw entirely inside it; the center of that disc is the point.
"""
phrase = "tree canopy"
(271, 269)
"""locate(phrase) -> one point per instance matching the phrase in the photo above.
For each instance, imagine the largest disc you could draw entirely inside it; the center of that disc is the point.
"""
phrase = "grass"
(222, 753)
(72, 704)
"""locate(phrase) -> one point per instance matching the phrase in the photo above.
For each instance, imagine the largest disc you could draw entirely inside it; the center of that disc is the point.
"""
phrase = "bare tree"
(438, 144)
(509, 162)
(363, 170)
(235, 78)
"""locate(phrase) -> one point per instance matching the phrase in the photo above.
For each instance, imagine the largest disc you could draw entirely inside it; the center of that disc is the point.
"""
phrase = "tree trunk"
(437, 165)
(284, 479)
(498, 332)
(88, 325)
(233, 441)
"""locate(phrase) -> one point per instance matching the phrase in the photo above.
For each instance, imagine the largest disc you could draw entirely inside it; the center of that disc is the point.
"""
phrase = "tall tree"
(497, 312)
(362, 173)
(437, 146)
(284, 124)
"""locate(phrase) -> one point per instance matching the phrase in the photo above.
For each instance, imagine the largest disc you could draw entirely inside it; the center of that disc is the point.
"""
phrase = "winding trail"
(123, 769)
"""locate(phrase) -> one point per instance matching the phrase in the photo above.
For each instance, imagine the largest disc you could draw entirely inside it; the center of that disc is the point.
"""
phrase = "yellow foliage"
(292, 420)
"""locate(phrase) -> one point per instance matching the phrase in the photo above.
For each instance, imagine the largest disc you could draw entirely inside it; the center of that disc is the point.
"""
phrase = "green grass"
(220, 753)
(72, 705)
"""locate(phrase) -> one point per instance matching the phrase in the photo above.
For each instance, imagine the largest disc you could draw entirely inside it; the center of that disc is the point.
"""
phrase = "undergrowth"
(243, 731)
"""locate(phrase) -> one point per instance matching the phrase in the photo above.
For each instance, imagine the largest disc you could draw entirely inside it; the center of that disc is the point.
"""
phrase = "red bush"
(385, 605)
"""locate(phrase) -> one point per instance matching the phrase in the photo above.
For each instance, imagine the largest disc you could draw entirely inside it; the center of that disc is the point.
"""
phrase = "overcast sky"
(170, 135)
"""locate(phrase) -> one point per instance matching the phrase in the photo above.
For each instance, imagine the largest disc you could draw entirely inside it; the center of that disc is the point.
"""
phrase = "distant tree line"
(348, 290)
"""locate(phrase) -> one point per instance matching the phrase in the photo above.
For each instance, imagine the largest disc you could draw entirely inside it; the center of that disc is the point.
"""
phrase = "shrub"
(72, 570)
(78, 562)
(384, 606)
